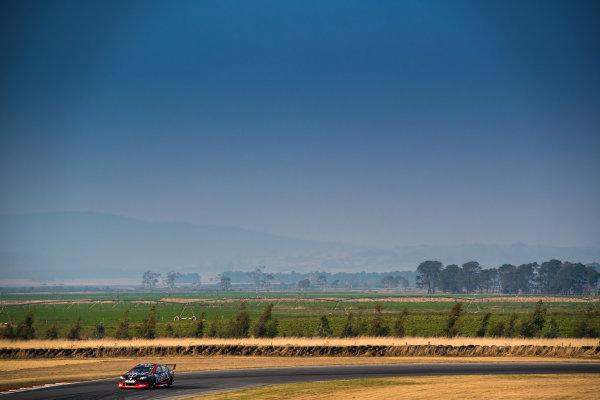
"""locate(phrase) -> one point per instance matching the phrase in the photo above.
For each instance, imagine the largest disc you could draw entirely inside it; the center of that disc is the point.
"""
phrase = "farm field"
(296, 316)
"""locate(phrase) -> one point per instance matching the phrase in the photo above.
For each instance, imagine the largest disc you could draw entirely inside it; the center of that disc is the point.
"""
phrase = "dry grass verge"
(294, 341)
(542, 387)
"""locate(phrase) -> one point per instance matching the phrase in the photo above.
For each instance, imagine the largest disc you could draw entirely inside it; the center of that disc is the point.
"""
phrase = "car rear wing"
(171, 366)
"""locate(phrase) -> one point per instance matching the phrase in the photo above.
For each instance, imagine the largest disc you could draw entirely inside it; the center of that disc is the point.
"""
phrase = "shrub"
(169, 330)
(147, 330)
(25, 329)
(585, 326)
(452, 326)
(509, 331)
(100, 332)
(378, 328)
(260, 329)
(74, 332)
(7, 332)
(497, 329)
(199, 331)
(399, 325)
(214, 327)
(272, 328)
(484, 322)
(350, 329)
(552, 331)
(534, 325)
(324, 329)
(51, 332)
(240, 326)
(123, 328)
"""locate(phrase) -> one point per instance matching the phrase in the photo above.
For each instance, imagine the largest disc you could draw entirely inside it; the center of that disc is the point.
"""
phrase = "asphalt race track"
(193, 383)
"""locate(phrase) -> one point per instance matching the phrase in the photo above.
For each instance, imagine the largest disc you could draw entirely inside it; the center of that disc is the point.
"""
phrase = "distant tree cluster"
(552, 277)
(150, 279)
(260, 280)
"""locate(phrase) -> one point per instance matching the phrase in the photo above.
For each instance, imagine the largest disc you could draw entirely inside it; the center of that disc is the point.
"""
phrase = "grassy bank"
(580, 386)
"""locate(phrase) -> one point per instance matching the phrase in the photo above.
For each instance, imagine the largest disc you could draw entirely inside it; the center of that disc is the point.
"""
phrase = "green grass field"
(299, 316)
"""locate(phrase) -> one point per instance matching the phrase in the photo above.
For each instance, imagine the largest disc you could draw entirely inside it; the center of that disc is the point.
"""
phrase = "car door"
(161, 373)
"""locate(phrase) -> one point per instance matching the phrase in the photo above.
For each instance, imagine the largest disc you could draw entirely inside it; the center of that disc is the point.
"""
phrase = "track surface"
(194, 383)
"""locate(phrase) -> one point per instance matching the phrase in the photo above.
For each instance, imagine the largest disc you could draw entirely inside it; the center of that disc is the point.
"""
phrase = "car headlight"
(121, 377)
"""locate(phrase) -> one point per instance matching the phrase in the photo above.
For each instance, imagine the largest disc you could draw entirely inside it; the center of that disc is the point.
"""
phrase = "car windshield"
(141, 370)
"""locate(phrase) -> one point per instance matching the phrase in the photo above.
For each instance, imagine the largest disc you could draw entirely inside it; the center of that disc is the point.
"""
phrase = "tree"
(546, 277)
(592, 276)
(509, 278)
(257, 276)
(378, 328)
(123, 329)
(534, 325)
(585, 327)
(147, 330)
(428, 275)
(266, 281)
(321, 279)
(390, 281)
(51, 332)
(170, 279)
(579, 279)
(399, 325)
(483, 326)
(303, 284)
(224, 282)
(260, 329)
(214, 327)
(467, 276)
(497, 329)
(74, 332)
(350, 329)
(199, 331)
(452, 326)
(150, 279)
(488, 280)
(525, 277)
(509, 330)
(99, 332)
(169, 331)
(324, 329)
(25, 330)
(553, 331)
(241, 322)
(449, 279)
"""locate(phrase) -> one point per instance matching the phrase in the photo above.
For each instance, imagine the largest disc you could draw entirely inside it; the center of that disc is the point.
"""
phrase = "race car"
(148, 376)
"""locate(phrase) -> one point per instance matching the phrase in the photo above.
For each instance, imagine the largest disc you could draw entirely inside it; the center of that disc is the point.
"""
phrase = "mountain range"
(75, 246)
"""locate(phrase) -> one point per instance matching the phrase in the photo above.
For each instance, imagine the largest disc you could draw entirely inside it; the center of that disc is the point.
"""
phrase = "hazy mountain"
(75, 246)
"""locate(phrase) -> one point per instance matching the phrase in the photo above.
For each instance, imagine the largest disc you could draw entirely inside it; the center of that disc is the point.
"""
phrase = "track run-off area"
(197, 383)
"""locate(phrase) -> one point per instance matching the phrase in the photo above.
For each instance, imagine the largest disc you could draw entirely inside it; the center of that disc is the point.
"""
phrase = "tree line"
(552, 277)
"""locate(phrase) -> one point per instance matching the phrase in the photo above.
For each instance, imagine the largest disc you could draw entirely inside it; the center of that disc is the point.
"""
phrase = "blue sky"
(379, 123)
